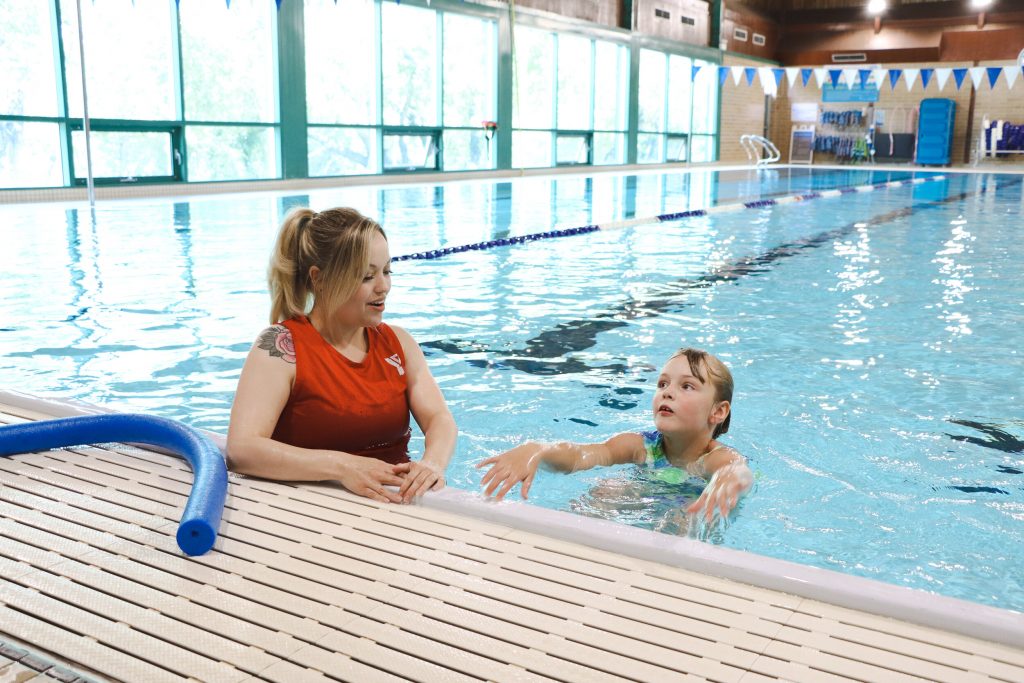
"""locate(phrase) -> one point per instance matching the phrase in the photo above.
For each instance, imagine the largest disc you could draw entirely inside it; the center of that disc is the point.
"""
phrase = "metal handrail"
(755, 154)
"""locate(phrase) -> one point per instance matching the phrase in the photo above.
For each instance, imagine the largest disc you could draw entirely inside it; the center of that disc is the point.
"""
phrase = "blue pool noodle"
(201, 518)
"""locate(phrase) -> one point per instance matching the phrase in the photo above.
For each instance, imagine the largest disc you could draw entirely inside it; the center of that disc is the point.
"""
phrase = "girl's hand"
(510, 468)
(368, 477)
(724, 490)
(419, 477)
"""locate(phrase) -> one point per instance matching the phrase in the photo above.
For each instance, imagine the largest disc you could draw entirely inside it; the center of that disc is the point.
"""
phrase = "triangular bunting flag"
(791, 74)
(910, 77)
(993, 75)
(850, 78)
(778, 73)
(805, 75)
(958, 76)
(977, 73)
(229, 3)
(864, 75)
(941, 76)
(737, 74)
(878, 77)
(820, 74)
(279, 5)
(694, 70)
(894, 77)
(834, 75)
(749, 72)
(926, 77)
(723, 73)
(1011, 73)
(767, 80)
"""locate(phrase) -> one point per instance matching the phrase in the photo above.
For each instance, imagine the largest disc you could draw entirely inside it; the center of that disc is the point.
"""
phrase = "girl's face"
(683, 403)
(366, 307)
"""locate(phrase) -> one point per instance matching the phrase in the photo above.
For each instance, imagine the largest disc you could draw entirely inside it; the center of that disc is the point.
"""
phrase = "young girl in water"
(691, 409)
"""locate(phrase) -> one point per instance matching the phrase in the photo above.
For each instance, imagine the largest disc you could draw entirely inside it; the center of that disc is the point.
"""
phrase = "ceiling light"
(877, 6)
(980, 4)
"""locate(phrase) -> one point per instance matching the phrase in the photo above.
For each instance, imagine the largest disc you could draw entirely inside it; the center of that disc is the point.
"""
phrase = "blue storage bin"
(935, 131)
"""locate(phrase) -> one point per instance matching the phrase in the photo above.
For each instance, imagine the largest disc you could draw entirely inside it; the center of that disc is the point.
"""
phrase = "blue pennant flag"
(694, 70)
(958, 76)
(279, 5)
(749, 73)
(778, 73)
(993, 75)
(894, 77)
(864, 75)
(834, 75)
(723, 73)
(926, 77)
(805, 75)
(228, 3)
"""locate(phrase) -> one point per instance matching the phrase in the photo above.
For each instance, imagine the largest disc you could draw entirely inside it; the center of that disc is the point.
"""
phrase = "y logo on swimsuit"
(397, 362)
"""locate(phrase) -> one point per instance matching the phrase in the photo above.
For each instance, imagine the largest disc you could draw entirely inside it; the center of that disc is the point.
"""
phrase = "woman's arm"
(729, 479)
(520, 464)
(435, 420)
(263, 391)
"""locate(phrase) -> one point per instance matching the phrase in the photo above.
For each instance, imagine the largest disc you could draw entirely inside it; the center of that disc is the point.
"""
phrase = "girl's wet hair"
(337, 241)
(705, 367)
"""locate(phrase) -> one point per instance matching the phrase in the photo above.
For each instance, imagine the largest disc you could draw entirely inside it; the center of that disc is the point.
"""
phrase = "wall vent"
(689, 21)
(848, 57)
(662, 14)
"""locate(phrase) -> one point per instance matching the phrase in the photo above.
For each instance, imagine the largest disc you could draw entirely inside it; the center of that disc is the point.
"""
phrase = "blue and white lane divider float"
(201, 518)
(664, 218)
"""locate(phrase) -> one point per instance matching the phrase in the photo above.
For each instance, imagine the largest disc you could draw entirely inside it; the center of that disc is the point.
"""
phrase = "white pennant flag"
(977, 73)
(1011, 73)
(941, 76)
(820, 74)
(910, 77)
(851, 77)
(737, 74)
(767, 80)
(878, 77)
(791, 73)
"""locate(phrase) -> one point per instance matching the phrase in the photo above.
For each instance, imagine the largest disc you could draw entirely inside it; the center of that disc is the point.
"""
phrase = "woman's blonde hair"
(337, 241)
(719, 376)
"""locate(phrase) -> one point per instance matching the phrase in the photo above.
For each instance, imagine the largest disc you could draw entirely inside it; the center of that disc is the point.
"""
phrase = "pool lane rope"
(664, 218)
(201, 518)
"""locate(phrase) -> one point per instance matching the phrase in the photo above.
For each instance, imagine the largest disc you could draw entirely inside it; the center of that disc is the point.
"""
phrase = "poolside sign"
(859, 91)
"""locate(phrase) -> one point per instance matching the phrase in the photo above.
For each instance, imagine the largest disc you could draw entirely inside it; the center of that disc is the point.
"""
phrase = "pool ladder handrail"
(756, 146)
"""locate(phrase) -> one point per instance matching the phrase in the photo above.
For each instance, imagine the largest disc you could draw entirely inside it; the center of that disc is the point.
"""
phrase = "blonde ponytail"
(288, 275)
(336, 241)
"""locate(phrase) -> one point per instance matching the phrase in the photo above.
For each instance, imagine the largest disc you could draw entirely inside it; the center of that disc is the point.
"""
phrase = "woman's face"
(366, 307)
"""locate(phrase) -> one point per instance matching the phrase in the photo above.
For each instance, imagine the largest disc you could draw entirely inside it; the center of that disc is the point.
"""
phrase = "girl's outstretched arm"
(520, 464)
(730, 478)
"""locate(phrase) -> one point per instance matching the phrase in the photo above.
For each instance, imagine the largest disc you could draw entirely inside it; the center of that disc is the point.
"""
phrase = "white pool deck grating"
(309, 583)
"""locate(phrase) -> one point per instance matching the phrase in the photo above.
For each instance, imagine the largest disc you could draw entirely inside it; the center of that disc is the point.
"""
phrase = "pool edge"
(871, 596)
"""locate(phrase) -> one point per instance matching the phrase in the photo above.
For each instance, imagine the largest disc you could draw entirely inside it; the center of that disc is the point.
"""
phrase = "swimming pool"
(870, 337)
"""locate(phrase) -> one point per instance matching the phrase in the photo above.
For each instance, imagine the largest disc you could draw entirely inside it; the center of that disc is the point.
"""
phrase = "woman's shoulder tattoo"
(277, 341)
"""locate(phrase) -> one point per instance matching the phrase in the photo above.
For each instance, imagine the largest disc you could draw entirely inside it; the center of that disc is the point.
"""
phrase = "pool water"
(872, 338)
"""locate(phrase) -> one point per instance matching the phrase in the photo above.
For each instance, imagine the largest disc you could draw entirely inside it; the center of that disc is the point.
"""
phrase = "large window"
(423, 109)
(30, 150)
(207, 90)
(570, 95)
(228, 77)
(678, 109)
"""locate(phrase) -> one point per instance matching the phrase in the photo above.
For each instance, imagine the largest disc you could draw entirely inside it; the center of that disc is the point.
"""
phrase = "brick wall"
(742, 110)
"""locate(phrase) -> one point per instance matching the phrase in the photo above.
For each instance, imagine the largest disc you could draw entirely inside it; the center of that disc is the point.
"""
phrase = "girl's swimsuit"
(658, 467)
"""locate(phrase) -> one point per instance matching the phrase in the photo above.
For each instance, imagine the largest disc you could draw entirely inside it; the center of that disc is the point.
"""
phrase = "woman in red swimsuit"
(326, 395)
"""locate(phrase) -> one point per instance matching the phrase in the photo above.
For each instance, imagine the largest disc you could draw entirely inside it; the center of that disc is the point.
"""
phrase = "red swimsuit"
(336, 404)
